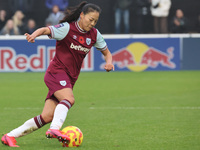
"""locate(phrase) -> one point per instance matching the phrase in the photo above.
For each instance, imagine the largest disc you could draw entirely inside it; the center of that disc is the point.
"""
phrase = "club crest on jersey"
(63, 83)
(88, 41)
(59, 25)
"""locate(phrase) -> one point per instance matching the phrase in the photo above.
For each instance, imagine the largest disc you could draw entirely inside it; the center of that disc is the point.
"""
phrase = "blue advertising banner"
(128, 55)
(21, 56)
(191, 54)
(143, 54)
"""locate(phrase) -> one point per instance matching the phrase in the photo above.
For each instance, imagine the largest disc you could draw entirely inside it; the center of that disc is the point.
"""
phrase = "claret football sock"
(39, 121)
(60, 114)
(28, 127)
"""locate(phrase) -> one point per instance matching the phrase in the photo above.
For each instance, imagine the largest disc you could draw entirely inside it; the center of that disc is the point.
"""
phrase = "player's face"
(89, 20)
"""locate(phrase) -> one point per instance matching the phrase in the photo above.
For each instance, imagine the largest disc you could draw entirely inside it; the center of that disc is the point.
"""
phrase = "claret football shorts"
(55, 82)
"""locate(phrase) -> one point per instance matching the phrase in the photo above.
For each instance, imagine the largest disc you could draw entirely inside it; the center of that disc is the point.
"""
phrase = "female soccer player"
(75, 36)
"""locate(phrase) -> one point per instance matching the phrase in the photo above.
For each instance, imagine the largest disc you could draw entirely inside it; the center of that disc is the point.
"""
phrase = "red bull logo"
(123, 58)
(10, 61)
(138, 57)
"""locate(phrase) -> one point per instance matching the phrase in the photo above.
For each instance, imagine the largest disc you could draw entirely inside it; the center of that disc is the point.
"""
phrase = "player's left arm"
(102, 46)
(108, 58)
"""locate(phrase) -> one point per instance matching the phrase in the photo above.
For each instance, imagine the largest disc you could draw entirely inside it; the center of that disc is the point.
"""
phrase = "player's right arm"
(36, 33)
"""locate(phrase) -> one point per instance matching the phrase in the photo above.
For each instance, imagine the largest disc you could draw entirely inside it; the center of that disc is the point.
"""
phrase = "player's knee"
(72, 101)
(47, 118)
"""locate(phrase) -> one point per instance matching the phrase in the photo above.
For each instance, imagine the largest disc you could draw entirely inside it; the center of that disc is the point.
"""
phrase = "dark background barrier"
(36, 9)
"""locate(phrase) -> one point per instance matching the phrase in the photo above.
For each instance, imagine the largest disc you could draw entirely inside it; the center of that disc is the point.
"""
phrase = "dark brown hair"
(73, 13)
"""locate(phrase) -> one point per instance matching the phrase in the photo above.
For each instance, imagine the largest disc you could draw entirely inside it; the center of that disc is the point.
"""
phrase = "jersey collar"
(79, 28)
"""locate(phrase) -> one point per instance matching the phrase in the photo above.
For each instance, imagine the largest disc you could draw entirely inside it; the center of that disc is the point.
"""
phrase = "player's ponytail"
(73, 13)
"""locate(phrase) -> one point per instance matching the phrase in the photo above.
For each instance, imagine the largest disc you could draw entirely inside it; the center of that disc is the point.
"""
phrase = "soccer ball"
(75, 134)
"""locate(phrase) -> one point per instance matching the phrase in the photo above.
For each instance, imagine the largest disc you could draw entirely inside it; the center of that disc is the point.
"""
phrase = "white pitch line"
(22, 108)
(104, 108)
(151, 108)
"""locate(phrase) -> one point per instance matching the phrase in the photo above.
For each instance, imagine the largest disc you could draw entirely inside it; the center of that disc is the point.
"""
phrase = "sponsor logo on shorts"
(63, 83)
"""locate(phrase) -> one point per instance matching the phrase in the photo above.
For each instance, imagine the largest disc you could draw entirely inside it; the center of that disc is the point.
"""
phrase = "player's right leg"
(30, 125)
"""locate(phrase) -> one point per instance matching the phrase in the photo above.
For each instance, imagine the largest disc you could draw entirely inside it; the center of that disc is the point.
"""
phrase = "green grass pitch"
(115, 110)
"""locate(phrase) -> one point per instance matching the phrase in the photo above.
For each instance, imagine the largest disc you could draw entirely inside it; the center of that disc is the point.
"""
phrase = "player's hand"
(30, 38)
(109, 67)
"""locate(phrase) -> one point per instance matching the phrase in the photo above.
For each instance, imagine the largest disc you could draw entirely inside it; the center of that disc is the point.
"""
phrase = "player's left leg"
(66, 98)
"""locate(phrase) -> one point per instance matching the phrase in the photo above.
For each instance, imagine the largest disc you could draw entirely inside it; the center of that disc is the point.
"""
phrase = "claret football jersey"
(72, 46)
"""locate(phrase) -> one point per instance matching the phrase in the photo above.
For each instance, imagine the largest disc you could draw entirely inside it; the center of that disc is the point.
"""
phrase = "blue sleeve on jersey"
(100, 43)
(59, 31)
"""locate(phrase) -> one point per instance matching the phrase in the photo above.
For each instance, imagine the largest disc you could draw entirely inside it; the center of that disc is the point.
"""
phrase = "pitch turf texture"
(115, 111)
